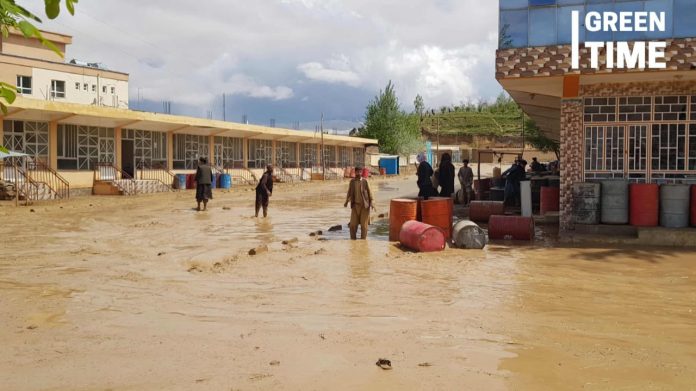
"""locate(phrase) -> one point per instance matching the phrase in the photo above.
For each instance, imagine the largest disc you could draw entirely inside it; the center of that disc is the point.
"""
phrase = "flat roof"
(26, 109)
(48, 35)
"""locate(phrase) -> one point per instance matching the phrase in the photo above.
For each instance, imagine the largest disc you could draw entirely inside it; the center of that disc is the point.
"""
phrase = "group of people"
(443, 177)
(359, 195)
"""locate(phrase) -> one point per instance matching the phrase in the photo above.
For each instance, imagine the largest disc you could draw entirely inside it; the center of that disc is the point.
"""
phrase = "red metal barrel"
(366, 172)
(422, 237)
(693, 206)
(401, 211)
(644, 204)
(481, 211)
(550, 200)
(439, 211)
(352, 172)
(346, 172)
(382, 171)
(190, 181)
(515, 227)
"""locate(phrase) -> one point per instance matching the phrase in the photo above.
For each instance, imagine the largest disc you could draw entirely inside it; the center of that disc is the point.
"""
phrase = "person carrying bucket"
(264, 190)
(204, 181)
(360, 198)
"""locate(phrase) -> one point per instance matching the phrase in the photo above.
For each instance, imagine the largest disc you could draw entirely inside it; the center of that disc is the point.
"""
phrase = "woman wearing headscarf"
(446, 176)
(425, 172)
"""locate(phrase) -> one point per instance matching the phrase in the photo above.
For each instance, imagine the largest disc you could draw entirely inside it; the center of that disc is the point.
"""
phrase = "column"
(245, 152)
(170, 151)
(2, 130)
(337, 155)
(53, 145)
(274, 157)
(298, 158)
(211, 150)
(571, 157)
(118, 142)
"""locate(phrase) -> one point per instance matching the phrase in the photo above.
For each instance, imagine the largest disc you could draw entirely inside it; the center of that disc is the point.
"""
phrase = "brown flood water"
(144, 293)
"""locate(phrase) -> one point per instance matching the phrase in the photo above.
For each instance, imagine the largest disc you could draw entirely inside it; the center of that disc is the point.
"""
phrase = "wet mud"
(145, 293)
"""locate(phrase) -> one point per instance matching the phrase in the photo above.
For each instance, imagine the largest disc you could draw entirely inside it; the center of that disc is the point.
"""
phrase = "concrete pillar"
(298, 158)
(2, 130)
(53, 145)
(320, 160)
(245, 152)
(571, 161)
(118, 143)
(170, 151)
(337, 155)
(274, 149)
(211, 150)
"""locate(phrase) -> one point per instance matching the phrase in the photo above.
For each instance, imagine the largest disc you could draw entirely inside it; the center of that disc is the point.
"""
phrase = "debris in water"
(274, 363)
(381, 216)
(316, 233)
(336, 228)
(322, 336)
(258, 250)
(384, 364)
(291, 241)
(323, 239)
(32, 210)
(226, 208)
(320, 251)
(32, 327)
(425, 364)
(160, 254)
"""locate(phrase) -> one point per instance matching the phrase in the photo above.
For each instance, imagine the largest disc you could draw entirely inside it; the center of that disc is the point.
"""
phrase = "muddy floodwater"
(144, 293)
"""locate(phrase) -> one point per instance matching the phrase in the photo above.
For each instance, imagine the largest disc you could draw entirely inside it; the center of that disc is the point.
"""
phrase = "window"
(113, 90)
(24, 85)
(28, 137)
(104, 89)
(94, 88)
(86, 87)
(229, 152)
(77, 86)
(82, 147)
(57, 89)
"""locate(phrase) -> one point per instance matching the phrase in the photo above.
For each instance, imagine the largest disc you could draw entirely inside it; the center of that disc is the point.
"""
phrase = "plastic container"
(401, 211)
(225, 181)
(438, 211)
(674, 206)
(644, 205)
(422, 237)
(181, 181)
(213, 181)
(190, 181)
(511, 227)
(467, 234)
(550, 200)
(481, 211)
(615, 202)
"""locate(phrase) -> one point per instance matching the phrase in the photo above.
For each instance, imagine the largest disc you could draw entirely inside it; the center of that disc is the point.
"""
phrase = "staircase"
(33, 180)
(111, 180)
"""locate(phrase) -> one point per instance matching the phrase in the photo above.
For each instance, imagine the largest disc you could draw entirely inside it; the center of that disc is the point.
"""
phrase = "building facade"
(40, 73)
(634, 124)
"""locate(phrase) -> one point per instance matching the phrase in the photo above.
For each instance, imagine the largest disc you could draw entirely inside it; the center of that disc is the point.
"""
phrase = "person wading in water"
(360, 198)
(204, 180)
(264, 190)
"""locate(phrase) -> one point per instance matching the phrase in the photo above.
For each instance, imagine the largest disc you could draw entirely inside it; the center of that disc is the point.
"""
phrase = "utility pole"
(523, 143)
(323, 163)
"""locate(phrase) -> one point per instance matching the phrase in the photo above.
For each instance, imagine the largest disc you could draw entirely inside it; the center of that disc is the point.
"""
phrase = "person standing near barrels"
(446, 176)
(425, 183)
(466, 180)
(264, 190)
(204, 181)
(360, 198)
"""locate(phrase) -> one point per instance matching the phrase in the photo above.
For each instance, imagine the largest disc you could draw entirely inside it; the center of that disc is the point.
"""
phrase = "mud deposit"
(145, 293)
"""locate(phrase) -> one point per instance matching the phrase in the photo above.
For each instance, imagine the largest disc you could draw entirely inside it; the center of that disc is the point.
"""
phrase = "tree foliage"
(398, 132)
(419, 105)
(14, 16)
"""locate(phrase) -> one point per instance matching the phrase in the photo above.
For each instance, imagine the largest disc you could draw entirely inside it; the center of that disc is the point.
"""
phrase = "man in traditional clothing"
(466, 180)
(204, 181)
(360, 198)
(264, 190)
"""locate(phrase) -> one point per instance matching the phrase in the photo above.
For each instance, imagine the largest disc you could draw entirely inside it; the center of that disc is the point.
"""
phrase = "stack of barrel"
(434, 213)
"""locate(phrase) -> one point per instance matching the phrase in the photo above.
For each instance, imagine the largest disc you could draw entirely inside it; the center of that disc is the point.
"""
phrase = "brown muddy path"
(144, 293)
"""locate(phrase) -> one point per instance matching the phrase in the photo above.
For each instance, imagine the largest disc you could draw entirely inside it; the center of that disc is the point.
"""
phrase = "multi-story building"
(636, 124)
(41, 73)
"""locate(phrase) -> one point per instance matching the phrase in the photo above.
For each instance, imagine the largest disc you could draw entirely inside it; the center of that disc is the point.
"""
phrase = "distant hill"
(475, 123)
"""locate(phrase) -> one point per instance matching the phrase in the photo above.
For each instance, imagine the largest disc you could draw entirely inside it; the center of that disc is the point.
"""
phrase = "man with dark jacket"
(425, 182)
(264, 190)
(446, 176)
(360, 198)
(204, 181)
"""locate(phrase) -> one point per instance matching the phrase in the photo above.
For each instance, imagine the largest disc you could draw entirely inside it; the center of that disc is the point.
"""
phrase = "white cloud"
(318, 72)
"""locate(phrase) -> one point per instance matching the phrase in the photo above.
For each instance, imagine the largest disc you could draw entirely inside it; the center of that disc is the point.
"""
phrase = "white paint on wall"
(81, 89)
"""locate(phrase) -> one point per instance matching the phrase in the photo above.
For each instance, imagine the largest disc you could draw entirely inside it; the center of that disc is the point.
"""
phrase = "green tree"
(419, 105)
(535, 137)
(14, 16)
(397, 131)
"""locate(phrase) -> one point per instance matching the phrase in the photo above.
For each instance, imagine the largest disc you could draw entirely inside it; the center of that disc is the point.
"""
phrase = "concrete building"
(75, 142)
(40, 73)
(635, 124)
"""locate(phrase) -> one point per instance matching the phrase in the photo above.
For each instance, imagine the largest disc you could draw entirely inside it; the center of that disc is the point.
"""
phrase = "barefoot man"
(360, 198)
(204, 181)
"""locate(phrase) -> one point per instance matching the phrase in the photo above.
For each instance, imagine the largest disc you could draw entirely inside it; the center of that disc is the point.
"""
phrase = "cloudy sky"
(289, 60)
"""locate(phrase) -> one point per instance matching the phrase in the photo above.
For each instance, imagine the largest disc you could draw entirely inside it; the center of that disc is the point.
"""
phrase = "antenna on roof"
(273, 123)
(224, 111)
(245, 120)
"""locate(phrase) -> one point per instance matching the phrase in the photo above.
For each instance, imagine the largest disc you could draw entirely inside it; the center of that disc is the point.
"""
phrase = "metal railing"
(24, 187)
(41, 173)
(158, 173)
(240, 175)
(109, 172)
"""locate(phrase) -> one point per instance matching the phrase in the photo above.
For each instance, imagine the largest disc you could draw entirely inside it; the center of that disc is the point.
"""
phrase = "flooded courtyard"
(145, 293)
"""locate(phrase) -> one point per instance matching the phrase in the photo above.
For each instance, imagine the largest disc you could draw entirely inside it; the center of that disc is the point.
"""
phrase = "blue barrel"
(181, 181)
(225, 181)
(213, 181)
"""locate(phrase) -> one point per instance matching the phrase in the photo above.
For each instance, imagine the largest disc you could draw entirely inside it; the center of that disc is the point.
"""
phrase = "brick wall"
(680, 55)
(639, 89)
(571, 156)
